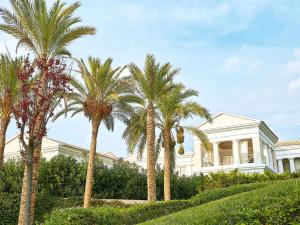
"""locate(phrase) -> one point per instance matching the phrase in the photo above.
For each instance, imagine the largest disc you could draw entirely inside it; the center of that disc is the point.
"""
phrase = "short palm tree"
(151, 83)
(46, 33)
(103, 96)
(9, 89)
(172, 108)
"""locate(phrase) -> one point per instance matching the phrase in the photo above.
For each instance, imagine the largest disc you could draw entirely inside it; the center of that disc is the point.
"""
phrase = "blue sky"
(242, 56)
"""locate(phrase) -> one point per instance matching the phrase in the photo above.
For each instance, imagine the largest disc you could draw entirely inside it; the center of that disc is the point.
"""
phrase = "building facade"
(52, 147)
(236, 142)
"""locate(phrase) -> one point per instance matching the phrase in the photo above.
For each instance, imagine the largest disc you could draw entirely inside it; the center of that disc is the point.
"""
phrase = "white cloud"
(205, 15)
(256, 64)
(232, 62)
(297, 53)
(294, 66)
(294, 85)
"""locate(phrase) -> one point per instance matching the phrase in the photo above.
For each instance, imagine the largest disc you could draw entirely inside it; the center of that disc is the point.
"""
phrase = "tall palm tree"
(46, 33)
(172, 108)
(9, 89)
(103, 96)
(151, 83)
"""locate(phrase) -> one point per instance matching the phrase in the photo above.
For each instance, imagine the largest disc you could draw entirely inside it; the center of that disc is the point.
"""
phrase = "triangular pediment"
(227, 120)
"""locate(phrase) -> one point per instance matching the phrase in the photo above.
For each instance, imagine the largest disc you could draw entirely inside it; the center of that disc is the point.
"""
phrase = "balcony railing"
(227, 159)
(246, 158)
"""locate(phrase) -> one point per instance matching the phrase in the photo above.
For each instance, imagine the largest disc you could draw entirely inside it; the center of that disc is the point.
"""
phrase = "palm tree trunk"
(167, 164)
(151, 178)
(3, 128)
(91, 165)
(25, 204)
(35, 176)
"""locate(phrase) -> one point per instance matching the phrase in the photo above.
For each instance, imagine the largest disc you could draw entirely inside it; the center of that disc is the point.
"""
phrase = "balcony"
(227, 160)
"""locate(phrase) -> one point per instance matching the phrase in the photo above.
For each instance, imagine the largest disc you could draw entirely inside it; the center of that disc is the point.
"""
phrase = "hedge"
(140, 213)
(65, 177)
(275, 204)
(9, 206)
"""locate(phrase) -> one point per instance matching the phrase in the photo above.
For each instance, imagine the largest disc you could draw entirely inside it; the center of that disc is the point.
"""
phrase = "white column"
(267, 154)
(244, 151)
(274, 160)
(270, 156)
(280, 166)
(197, 158)
(292, 165)
(216, 154)
(257, 150)
(236, 152)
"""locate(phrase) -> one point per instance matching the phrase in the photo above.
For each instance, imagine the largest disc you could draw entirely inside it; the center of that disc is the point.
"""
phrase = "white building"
(51, 148)
(236, 142)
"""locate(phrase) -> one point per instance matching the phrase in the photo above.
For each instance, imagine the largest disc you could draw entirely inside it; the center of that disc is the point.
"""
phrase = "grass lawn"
(275, 204)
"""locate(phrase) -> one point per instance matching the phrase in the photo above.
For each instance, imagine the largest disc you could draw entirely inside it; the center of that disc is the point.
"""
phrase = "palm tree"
(46, 33)
(9, 89)
(151, 83)
(172, 108)
(103, 96)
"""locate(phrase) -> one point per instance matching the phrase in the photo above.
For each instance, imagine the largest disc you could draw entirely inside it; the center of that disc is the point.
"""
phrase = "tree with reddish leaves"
(42, 85)
(46, 31)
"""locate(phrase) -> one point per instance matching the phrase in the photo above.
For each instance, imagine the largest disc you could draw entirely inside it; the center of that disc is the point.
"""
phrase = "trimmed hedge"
(141, 213)
(9, 206)
(65, 177)
(276, 204)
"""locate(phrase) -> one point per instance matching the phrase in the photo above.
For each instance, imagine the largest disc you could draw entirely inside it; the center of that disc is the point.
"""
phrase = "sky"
(243, 57)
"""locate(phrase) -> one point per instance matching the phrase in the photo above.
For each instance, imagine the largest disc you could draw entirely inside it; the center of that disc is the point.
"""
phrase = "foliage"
(39, 95)
(62, 176)
(9, 84)
(140, 213)
(65, 177)
(103, 95)
(11, 177)
(275, 204)
(46, 32)
(9, 206)
(222, 179)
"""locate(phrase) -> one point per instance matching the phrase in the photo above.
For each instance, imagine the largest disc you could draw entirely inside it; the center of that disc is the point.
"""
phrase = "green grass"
(140, 213)
(276, 204)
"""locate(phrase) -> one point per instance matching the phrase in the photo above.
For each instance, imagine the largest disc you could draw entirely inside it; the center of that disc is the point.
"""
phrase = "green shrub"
(9, 206)
(64, 177)
(222, 179)
(276, 204)
(11, 177)
(140, 213)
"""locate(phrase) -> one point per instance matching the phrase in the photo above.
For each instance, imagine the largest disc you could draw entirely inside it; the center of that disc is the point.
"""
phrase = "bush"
(11, 177)
(275, 204)
(9, 206)
(222, 179)
(64, 177)
(141, 213)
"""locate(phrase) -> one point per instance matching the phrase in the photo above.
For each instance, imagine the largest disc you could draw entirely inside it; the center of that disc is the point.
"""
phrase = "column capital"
(216, 142)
